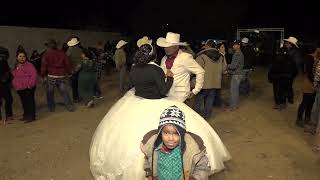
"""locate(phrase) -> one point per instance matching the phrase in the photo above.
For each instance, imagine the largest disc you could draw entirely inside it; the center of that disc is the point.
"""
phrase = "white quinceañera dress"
(115, 148)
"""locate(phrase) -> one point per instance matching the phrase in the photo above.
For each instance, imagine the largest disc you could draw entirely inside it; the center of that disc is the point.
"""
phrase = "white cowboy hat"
(143, 41)
(73, 42)
(292, 40)
(245, 40)
(121, 43)
(172, 39)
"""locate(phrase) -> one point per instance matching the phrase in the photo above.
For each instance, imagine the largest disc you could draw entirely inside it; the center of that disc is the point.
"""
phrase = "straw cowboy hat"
(245, 40)
(292, 40)
(121, 43)
(73, 42)
(143, 41)
(172, 39)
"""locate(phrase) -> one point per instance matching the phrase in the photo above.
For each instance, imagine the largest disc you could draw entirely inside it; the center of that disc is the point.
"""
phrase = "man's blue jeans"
(234, 90)
(61, 85)
(207, 97)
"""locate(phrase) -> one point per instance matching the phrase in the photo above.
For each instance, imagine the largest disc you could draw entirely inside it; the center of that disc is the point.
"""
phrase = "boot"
(283, 106)
(276, 106)
(299, 122)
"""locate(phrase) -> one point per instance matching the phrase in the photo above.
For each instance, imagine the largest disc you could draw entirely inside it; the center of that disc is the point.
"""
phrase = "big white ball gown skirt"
(115, 148)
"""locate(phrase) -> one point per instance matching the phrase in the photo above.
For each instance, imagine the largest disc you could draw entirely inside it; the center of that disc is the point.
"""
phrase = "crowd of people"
(158, 79)
(54, 67)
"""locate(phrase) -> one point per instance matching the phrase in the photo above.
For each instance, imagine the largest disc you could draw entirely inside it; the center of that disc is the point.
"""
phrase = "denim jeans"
(97, 89)
(207, 97)
(61, 85)
(234, 90)
(218, 102)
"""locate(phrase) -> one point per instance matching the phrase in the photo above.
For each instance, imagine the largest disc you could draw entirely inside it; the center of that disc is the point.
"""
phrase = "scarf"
(170, 60)
(169, 163)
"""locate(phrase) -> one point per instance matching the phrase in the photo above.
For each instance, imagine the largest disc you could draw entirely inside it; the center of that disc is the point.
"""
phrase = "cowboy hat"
(245, 40)
(121, 43)
(143, 41)
(73, 42)
(292, 40)
(172, 39)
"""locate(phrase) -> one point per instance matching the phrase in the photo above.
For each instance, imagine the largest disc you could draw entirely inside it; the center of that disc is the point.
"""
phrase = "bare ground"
(264, 143)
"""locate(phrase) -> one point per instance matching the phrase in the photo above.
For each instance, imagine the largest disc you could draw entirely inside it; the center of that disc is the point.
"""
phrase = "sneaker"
(76, 101)
(283, 106)
(290, 101)
(90, 104)
(277, 106)
(70, 108)
(29, 121)
(300, 124)
(10, 118)
(310, 129)
(98, 97)
(233, 108)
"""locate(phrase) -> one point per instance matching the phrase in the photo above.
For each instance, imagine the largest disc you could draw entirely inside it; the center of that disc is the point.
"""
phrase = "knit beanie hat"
(173, 116)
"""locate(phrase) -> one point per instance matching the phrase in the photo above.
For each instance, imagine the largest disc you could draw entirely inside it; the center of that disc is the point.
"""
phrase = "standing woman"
(24, 82)
(309, 93)
(87, 78)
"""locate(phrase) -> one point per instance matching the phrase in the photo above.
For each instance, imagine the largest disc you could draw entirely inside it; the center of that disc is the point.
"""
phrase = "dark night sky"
(193, 18)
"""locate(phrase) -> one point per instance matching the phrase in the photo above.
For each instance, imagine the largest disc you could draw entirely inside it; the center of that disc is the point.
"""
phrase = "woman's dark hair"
(21, 51)
(144, 54)
(88, 53)
(220, 44)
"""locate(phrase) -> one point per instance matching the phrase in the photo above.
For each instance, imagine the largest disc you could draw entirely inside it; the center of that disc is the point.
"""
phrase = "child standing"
(172, 153)
(24, 82)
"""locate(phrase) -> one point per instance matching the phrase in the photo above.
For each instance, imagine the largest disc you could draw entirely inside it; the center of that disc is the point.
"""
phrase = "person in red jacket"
(55, 68)
(24, 82)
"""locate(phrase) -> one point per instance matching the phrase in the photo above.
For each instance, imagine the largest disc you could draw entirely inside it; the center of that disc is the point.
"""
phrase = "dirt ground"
(264, 143)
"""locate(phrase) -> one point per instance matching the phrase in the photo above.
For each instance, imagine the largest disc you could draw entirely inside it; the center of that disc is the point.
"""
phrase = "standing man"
(249, 57)
(55, 68)
(212, 61)
(236, 71)
(99, 59)
(181, 64)
(74, 54)
(294, 55)
(120, 60)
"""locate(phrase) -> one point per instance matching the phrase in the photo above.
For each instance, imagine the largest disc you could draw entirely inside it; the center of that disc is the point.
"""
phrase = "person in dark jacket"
(87, 78)
(147, 77)
(295, 56)
(248, 53)
(5, 83)
(281, 73)
(308, 89)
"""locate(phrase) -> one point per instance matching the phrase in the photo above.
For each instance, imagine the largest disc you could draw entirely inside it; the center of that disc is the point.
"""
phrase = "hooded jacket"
(212, 61)
(195, 161)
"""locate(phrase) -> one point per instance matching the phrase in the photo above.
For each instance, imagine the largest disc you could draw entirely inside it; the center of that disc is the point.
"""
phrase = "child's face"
(21, 58)
(170, 136)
